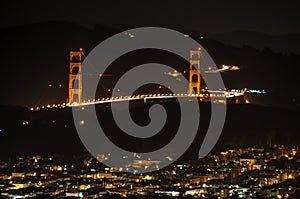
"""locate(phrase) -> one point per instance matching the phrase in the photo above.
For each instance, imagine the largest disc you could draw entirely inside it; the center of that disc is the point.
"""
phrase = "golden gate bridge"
(75, 85)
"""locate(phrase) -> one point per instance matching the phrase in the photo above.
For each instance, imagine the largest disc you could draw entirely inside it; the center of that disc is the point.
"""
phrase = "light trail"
(223, 68)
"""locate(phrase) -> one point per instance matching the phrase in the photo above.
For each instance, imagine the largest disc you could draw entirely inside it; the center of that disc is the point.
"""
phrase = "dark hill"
(52, 131)
(285, 43)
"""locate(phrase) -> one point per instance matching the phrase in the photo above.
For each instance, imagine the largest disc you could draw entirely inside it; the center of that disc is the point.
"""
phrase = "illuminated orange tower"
(75, 77)
(195, 76)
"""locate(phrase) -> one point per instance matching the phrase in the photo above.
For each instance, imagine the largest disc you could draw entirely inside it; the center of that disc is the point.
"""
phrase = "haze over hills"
(37, 55)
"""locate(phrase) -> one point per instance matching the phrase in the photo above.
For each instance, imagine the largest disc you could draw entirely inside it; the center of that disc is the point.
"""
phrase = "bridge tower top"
(195, 75)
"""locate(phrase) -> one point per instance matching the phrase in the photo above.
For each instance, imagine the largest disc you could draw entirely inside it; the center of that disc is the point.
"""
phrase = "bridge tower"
(195, 76)
(75, 77)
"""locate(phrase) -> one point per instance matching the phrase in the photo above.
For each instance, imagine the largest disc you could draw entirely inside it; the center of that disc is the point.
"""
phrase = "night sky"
(273, 17)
